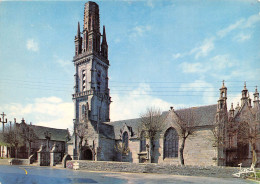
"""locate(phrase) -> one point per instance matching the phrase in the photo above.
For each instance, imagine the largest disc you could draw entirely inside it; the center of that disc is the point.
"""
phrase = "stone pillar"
(52, 155)
(39, 155)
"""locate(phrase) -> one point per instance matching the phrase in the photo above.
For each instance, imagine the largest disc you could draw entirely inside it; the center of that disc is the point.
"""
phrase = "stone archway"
(87, 154)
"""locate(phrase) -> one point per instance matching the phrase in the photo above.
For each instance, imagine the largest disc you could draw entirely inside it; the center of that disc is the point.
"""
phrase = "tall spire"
(78, 33)
(256, 99)
(104, 39)
(104, 46)
(78, 42)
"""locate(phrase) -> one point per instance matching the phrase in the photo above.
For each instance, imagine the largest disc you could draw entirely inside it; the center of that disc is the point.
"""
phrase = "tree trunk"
(254, 154)
(151, 151)
(80, 150)
(29, 150)
(16, 151)
(181, 151)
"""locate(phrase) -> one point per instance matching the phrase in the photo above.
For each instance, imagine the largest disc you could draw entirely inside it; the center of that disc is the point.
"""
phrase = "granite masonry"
(100, 136)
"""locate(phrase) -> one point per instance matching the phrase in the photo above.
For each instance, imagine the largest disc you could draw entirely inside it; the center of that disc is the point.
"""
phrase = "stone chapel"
(95, 136)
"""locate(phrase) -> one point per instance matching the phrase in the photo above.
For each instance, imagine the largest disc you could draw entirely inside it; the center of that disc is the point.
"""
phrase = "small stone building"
(96, 138)
(32, 137)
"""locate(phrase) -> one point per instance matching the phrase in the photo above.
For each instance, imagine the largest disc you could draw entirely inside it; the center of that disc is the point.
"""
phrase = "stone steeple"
(222, 102)
(92, 26)
(245, 96)
(256, 98)
(91, 96)
(231, 111)
(78, 42)
(104, 46)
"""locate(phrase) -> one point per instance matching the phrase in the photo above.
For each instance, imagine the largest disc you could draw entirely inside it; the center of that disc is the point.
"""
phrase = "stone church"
(95, 137)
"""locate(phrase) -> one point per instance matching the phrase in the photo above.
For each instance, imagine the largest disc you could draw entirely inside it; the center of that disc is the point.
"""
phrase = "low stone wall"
(211, 171)
(5, 161)
(15, 161)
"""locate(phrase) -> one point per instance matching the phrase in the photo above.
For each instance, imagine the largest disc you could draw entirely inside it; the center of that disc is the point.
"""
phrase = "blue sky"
(162, 54)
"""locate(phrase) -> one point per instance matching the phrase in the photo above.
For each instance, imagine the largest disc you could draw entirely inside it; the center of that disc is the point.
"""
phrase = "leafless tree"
(152, 123)
(12, 137)
(81, 132)
(186, 125)
(248, 131)
(122, 149)
(28, 136)
(219, 130)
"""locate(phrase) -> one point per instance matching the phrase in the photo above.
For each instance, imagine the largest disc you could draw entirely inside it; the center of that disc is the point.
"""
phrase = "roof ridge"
(197, 107)
(49, 127)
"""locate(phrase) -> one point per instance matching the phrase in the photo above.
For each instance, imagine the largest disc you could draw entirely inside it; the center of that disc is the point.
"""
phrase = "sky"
(162, 53)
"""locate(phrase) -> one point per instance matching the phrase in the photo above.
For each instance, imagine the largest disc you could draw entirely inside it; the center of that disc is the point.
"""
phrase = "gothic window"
(171, 140)
(142, 142)
(125, 139)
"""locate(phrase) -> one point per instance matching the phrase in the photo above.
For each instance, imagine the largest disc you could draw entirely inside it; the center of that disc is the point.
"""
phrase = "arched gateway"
(87, 154)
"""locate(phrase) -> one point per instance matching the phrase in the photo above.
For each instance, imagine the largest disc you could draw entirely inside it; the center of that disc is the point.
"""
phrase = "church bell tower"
(91, 93)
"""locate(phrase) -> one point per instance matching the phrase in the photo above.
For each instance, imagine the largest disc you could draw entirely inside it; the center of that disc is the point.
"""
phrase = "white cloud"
(178, 55)
(240, 24)
(221, 62)
(62, 62)
(32, 45)
(242, 37)
(138, 31)
(215, 65)
(133, 103)
(47, 111)
(251, 21)
(223, 32)
(150, 3)
(208, 44)
(193, 67)
(233, 98)
(204, 49)
(117, 40)
(202, 87)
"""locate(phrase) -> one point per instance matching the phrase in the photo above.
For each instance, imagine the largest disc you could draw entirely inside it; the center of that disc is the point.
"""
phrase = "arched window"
(171, 141)
(142, 142)
(125, 139)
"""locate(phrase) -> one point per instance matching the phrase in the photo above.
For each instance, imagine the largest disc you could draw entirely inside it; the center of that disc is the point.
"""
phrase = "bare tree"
(186, 126)
(81, 132)
(28, 135)
(222, 133)
(248, 131)
(122, 149)
(13, 138)
(152, 123)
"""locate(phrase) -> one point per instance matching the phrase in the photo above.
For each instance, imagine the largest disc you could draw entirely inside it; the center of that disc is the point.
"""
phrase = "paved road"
(47, 175)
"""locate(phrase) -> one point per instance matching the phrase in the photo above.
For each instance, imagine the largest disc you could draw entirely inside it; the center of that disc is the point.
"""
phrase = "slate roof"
(106, 130)
(205, 115)
(118, 125)
(56, 134)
